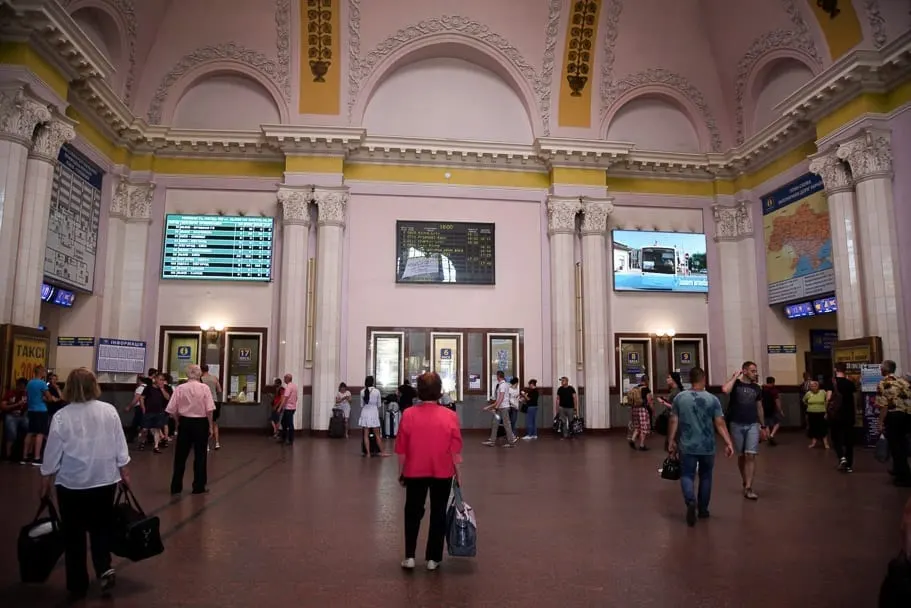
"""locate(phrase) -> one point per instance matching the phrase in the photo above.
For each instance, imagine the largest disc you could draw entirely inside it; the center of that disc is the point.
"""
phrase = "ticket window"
(388, 363)
(447, 362)
(634, 361)
(183, 351)
(687, 353)
(502, 356)
(244, 358)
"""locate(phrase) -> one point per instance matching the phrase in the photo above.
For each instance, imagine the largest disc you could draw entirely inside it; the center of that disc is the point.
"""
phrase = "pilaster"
(293, 331)
(39, 176)
(870, 158)
(19, 115)
(561, 229)
(839, 184)
(332, 205)
(596, 335)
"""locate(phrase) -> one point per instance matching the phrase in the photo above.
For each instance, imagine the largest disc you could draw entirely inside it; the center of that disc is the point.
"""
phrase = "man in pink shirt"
(191, 406)
(289, 405)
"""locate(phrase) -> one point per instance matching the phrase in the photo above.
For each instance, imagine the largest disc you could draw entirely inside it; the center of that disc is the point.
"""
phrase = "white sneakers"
(408, 564)
(529, 437)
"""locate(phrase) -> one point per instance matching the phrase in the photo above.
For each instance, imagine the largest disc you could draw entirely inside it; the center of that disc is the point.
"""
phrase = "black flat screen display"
(459, 253)
(217, 248)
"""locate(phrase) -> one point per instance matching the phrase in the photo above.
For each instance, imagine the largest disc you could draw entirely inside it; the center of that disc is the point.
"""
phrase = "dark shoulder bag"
(135, 535)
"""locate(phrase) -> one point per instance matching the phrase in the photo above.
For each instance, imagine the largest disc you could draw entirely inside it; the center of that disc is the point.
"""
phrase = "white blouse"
(86, 446)
(374, 400)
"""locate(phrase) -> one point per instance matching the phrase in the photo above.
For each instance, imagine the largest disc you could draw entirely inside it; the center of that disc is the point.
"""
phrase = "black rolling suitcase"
(374, 446)
(337, 424)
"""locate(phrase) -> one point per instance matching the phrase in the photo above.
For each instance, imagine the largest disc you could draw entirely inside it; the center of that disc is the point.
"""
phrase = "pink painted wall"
(213, 104)
(901, 166)
(374, 299)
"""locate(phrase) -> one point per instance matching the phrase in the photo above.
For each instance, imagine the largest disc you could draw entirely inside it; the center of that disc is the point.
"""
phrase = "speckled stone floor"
(585, 523)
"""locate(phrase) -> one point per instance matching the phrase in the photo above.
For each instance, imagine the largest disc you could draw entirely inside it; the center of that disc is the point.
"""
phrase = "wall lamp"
(664, 336)
(212, 331)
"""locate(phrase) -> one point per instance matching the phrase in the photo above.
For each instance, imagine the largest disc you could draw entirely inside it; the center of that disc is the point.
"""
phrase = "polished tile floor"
(585, 523)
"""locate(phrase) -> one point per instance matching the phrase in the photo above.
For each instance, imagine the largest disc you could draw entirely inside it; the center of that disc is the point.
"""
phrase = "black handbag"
(40, 545)
(670, 470)
(662, 422)
(135, 535)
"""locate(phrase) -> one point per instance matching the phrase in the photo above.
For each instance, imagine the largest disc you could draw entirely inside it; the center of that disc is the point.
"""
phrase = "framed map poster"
(72, 228)
(798, 241)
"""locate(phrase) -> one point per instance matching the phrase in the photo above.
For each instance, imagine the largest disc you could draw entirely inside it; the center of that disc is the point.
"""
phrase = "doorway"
(819, 367)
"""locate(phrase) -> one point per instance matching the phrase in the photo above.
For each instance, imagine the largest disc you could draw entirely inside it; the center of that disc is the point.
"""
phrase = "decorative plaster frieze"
(354, 52)
(671, 79)
(877, 23)
(834, 173)
(132, 202)
(449, 24)
(331, 204)
(283, 44)
(561, 214)
(313, 140)
(612, 12)
(19, 115)
(594, 215)
(192, 142)
(128, 14)
(733, 223)
(49, 138)
(429, 151)
(566, 152)
(551, 32)
(295, 204)
(799, 39)
(870, 155)
(225, 51)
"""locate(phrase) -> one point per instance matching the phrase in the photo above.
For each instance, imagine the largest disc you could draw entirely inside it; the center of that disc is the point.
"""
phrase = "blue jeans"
(688, 465)
(514, 419)
(531, 421)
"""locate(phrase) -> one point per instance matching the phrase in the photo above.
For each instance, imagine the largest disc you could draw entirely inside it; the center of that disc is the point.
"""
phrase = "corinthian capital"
(733, 223)
(19, 116)
(595, 213)
(870, 155)
(332, 204)
(561, 214)
(295, 206)
(834, 173)
(50, 137)
(132, 202)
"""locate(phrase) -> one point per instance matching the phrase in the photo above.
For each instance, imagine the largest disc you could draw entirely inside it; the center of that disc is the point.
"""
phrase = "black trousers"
(192, 433)
(288, 426)
(416, 489)
(86, 512)
(898, 425)
(843, 440)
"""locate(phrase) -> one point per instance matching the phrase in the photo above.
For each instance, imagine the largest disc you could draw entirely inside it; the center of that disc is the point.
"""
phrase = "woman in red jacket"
(429, 445)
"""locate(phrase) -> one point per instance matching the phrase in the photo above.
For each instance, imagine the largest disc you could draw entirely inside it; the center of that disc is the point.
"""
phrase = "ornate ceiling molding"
(877, 23)
(127, 12)
(362, 68)
(277, 71)
(799, 39)
(551, 32)
(670, 79)
(611, 30)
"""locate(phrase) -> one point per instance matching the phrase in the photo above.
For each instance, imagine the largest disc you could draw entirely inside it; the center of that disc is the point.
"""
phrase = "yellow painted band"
(436, 175)
(20, 53)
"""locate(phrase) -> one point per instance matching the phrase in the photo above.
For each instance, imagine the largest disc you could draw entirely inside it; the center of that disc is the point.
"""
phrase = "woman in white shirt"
(370, 415)
(513, 395)
(343, 402)
(87, 453)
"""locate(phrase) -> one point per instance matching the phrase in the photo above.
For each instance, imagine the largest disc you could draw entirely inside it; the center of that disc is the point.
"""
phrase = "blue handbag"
(462, 531)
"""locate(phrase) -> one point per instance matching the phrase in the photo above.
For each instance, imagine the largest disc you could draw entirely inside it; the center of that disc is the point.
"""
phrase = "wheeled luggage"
(374, 445)
(337, 424)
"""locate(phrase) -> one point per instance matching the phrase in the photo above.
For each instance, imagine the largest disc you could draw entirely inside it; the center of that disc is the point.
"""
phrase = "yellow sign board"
(28, 352)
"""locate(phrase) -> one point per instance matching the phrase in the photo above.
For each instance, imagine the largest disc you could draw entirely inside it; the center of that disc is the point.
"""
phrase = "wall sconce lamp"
(664, 336)
(212, 331)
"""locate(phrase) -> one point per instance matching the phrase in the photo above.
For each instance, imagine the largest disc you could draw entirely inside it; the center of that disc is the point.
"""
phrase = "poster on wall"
(72, 228)
(798, 241)
(28, 352)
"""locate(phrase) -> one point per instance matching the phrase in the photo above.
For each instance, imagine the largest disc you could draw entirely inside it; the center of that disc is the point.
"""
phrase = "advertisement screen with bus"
(659, 261)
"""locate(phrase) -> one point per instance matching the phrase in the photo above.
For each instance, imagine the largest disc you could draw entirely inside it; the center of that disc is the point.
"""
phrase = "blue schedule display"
(217, 248)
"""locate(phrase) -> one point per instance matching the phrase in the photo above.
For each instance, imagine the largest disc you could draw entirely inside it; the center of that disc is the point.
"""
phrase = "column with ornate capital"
(36, 206)
(596, 339)
(845, 245)
(870, 158)
(292, 327)
(332, 204)
(561, 229)
(19, 115)
(738, 282)
(125, 263)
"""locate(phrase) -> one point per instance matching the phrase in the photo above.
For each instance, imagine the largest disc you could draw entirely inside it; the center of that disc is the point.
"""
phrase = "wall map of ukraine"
(798, 241)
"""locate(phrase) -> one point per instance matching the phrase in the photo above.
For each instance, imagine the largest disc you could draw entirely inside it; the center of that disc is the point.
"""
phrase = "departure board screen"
(217, 248)
(445, 252)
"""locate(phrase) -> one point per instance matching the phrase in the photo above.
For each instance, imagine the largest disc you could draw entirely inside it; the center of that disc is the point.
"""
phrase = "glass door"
(183, 351)
(446, 357)
(244, 357)
(502, 356)
(388, 359)
(635, 357)
(686, 353)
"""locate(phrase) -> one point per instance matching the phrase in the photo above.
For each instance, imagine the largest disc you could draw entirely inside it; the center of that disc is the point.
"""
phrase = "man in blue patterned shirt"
(695, 417)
